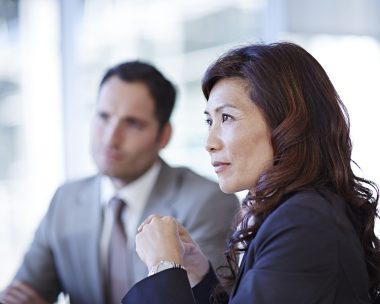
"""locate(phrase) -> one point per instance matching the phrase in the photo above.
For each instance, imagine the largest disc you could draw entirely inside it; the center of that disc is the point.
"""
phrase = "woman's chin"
(229, 188)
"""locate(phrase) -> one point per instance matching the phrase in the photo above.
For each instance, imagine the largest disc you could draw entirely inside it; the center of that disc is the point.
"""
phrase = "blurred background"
(53, 54)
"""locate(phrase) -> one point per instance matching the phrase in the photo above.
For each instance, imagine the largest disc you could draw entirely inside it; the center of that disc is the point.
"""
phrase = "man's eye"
(134, 123)
(103, 116)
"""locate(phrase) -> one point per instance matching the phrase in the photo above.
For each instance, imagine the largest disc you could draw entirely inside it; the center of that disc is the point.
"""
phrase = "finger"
(169, 220)
(24, 289)
(13, 296)
(147, 221)
(26, 293)
(189, 248)
(184, 235)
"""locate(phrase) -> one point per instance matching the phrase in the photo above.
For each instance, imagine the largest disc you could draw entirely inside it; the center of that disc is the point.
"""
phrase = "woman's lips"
(220, 166)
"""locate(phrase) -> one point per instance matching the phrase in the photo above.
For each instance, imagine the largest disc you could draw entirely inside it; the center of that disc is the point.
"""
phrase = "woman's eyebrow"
(220, 108)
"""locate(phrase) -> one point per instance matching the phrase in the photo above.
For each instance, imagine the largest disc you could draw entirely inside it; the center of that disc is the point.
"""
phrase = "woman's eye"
(225, 117)
(208, 122)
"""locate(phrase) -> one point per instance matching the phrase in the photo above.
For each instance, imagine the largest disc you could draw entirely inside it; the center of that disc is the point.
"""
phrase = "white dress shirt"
(135, 195)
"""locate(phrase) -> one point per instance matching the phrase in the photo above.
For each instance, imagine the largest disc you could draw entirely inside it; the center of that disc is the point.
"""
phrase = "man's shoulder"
(201, 189)
(191, 178)
(74, 193)
(78, 185)
(80, 181)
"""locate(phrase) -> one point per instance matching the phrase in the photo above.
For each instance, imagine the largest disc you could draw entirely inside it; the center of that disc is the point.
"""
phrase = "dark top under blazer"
(305, 252)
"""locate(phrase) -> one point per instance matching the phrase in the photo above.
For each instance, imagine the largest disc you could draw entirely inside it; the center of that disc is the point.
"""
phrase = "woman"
(278, 128)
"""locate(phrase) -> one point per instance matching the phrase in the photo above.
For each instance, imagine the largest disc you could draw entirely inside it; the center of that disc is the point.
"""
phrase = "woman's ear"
(165, 135)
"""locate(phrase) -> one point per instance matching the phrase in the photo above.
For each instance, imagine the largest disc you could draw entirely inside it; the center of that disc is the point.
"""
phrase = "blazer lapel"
(243, 266)
(239, 274)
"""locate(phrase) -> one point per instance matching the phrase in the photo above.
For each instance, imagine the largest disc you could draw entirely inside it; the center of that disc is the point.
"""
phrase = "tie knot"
(117, 207)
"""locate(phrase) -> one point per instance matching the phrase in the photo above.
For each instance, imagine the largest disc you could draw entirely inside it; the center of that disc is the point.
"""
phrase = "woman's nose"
(213, 142)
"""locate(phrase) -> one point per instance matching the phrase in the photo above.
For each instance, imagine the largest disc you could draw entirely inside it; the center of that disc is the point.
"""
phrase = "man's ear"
(165, 135)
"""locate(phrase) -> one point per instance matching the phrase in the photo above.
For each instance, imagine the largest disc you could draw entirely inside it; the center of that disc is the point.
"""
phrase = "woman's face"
(239, 140)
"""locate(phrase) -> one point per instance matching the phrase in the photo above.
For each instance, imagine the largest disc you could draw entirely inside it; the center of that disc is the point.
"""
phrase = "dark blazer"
(64, 255)
(305, 252)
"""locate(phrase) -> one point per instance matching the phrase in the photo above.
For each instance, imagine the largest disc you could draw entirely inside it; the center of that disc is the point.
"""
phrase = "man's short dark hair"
(160, 88)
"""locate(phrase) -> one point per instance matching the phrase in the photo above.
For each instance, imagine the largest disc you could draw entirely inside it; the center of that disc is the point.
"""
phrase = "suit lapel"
(89, 209)
(159, 202)
(162, 194)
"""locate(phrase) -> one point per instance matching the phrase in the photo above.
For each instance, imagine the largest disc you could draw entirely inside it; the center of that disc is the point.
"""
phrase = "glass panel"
(31, 163)
(181, 40)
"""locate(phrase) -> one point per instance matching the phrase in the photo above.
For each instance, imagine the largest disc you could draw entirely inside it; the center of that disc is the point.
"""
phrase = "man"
(74, 248)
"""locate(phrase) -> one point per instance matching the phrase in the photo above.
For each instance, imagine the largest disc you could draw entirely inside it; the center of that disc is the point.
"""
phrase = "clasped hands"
(20, 293)
(163, 238)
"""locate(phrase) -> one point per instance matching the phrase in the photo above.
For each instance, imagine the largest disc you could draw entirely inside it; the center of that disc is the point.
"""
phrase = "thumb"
(184, 235)
(189, 248)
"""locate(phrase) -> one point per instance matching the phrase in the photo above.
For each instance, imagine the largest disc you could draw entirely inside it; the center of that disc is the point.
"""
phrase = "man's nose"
(114, 134)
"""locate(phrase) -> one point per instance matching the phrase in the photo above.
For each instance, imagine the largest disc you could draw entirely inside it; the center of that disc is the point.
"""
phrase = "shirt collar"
(136, 193)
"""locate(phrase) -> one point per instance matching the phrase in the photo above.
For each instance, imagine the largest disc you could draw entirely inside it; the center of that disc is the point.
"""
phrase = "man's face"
(125, 131)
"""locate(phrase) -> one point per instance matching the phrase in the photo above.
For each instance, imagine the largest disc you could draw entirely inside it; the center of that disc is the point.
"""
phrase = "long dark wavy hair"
(310, 139)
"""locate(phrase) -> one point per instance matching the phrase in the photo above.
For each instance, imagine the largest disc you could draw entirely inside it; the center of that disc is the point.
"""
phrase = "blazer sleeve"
(166, 287)
(171, 286)
(293, 259)
(38, 268)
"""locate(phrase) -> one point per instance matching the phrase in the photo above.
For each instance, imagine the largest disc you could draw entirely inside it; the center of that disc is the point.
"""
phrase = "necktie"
(117, 255)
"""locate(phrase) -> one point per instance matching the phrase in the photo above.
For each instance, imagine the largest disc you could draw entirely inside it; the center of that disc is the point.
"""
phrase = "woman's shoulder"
(321, 201)
(319, 208)
(306, 196)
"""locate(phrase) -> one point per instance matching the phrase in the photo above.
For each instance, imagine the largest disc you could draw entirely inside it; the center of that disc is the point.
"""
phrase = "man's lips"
(112, 155)
(220, 166)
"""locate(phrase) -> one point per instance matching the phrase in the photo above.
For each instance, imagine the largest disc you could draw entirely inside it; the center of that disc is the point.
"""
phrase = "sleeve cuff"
(204, 289)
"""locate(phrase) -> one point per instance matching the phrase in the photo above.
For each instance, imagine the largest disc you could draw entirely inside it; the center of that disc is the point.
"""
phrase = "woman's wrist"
(163, 265)
(195, 278)
(153, 261)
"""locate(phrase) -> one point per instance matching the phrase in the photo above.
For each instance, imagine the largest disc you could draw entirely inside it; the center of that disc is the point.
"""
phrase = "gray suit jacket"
(65, 253)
